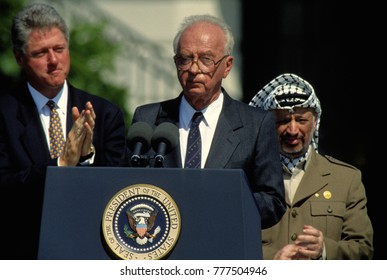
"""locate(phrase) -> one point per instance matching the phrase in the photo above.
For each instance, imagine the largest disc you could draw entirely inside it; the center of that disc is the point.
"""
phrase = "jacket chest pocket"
(328, 217)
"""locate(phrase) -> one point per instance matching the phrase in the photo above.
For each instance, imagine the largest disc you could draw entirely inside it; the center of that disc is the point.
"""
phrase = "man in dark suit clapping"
(93, 128)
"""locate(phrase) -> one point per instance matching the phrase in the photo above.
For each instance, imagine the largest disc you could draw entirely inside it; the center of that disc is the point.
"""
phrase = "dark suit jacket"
(332, 198)
(245, 138)
(24, 156)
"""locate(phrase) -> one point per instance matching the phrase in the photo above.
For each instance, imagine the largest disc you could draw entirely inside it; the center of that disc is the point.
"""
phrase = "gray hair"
(191, 20)
(35, 16)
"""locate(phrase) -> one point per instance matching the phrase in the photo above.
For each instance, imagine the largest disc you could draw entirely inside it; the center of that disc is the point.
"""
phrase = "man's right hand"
(79, 139)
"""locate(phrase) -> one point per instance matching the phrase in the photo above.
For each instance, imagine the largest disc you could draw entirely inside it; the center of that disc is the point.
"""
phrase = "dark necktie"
(194, 143)
(55, 132)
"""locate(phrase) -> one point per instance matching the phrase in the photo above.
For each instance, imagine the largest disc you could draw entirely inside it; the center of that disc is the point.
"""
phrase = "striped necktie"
(55, 132)
(194, 143)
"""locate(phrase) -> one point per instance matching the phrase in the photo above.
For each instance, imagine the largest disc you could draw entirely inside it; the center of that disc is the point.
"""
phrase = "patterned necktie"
(55, 132)
(194, 145)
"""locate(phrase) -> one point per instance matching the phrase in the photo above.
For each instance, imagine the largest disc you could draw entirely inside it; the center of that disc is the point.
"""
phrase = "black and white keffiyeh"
(286, 92)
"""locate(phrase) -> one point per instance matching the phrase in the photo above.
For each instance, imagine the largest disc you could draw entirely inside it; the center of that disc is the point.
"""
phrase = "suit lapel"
(169, 112)
(314, 179)
(33, 138)
(73, 99)
(224, 142)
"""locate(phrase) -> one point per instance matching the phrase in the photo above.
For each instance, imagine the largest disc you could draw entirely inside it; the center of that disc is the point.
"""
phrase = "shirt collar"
(211, 112)
(40, 100)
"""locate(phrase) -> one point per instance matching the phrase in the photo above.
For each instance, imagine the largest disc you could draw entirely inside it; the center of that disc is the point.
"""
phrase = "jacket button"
(329, 210)
(294, 213)
(294, 236)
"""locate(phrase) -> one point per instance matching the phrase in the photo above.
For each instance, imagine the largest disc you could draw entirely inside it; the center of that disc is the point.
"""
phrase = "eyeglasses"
(205, 64)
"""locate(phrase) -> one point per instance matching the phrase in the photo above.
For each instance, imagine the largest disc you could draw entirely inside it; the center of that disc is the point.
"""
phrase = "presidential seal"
(141, 222)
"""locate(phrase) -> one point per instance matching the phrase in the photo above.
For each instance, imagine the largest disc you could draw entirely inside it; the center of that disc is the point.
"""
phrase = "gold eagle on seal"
(141, 219)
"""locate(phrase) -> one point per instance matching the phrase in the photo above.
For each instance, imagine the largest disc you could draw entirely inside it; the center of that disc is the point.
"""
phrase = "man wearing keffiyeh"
(326, 214)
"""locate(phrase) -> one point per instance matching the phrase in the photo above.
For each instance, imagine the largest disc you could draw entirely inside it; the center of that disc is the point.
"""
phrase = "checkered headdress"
(286, 92)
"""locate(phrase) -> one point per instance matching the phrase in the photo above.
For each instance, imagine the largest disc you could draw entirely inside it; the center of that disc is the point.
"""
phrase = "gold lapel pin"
(327, 194)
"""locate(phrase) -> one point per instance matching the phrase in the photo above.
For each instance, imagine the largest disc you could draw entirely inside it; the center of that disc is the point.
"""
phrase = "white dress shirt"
(207, 126)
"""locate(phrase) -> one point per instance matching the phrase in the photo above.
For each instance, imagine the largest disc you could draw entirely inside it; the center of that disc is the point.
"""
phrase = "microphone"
(139, 140)
(164, 139)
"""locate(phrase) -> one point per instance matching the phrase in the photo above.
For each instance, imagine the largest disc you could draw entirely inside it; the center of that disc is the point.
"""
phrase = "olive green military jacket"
(332, 198)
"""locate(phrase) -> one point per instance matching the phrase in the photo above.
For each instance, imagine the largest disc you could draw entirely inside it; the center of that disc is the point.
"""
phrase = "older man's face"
(295, 130)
